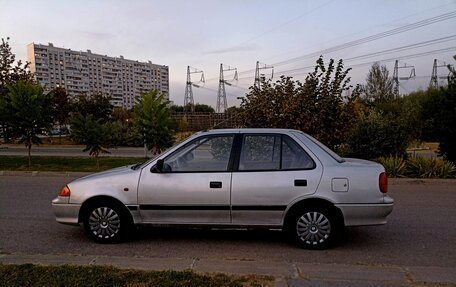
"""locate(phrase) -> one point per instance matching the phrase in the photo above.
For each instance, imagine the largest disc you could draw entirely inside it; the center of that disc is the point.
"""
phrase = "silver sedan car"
(234, 178)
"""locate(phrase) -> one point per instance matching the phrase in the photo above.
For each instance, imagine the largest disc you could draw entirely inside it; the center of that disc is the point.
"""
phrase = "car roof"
(248, 130)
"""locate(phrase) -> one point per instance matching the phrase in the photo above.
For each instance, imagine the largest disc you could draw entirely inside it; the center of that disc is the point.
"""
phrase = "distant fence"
(206, 121)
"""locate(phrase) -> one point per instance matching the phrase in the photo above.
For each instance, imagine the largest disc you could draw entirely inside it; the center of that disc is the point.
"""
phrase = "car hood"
(115, 172)
(120, 183)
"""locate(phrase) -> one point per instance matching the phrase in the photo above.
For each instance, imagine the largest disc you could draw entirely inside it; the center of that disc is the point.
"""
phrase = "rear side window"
(272, 152)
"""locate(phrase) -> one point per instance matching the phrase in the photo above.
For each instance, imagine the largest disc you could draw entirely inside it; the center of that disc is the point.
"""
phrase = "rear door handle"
(215, 184)
(300, 182)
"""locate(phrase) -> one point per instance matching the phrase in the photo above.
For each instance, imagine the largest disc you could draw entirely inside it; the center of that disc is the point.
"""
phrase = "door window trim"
(231, 159)
(282, 136)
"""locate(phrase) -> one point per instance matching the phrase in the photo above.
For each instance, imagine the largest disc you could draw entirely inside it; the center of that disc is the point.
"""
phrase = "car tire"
(315, 228)
(106, 222)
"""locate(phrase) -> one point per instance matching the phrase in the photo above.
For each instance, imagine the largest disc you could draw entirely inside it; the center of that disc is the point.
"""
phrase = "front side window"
(272, 152)
(211, 154)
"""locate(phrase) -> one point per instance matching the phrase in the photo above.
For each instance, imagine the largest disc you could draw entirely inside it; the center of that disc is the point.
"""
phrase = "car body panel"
(261, 197)
(180, 198)
(245, 198)
(120, 183)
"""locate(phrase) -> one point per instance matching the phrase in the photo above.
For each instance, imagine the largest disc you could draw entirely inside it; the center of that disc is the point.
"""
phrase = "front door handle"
(215, 184)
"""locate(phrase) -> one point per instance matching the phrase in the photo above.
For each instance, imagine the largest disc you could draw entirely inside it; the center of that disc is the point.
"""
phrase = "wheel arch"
(104, 199)
(291, 212)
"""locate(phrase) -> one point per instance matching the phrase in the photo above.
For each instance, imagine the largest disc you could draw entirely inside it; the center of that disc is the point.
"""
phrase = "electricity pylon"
(396, 77)
(261, 66)
(188, 100)
(222, 104)
(434, 83)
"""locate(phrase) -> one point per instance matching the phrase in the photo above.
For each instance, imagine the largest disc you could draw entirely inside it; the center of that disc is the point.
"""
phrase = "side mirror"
(160, 163)
(158, 168)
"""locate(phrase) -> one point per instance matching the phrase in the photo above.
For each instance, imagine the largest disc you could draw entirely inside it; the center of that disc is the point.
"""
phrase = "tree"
(9, 75)
(379, 85)
(318, 107)
(62, 108)
(440, 112)
(121, 114)
(377, 134)
(152, 116)
(29, 112)
(97, 105)
(331, 110)
(199, 108)
(93, 133)
(176, 109)
(271, 106)
(202, 108)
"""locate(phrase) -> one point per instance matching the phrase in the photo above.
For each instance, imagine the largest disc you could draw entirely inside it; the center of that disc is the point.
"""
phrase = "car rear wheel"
(105, 223)
(315, 228)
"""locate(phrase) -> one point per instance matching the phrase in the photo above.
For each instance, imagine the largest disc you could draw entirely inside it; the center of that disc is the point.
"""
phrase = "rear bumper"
(66, 213)
(366, 214)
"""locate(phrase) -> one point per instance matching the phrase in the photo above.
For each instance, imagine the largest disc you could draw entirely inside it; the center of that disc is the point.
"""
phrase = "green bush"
(419, 167)
(395, 166)
(378, 135)
(423, 167)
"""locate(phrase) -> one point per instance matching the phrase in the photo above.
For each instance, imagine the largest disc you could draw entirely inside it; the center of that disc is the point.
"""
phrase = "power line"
(345, 36)
(405, 57)
(371, 38)
(286, 23)
(402, 29)
(384, 52)
(305, 70)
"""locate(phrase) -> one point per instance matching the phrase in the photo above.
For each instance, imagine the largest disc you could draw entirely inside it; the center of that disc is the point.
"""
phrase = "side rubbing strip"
(184, 207)
(260, 207)
(213, 207)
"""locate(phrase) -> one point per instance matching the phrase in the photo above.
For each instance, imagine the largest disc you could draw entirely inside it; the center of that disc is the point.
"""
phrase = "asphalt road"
(420, 232)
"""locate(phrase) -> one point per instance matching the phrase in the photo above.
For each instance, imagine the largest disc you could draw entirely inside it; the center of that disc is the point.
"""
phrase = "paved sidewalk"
(286, 273)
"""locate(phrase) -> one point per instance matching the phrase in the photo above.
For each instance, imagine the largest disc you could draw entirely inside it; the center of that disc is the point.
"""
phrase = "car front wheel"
(315, 228)
(105, 223)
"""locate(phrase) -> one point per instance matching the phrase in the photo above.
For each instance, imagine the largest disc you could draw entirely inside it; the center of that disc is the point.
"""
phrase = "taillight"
(65, 191)
(383, 182)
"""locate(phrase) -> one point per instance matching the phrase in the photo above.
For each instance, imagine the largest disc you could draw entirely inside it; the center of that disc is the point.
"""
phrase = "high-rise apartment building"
(86, 72)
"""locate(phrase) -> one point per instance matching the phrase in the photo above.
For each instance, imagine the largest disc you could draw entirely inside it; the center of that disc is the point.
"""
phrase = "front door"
(195, 187)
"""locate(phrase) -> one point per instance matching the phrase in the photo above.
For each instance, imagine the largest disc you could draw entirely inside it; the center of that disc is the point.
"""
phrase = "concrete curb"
(286, 273)
(431, 181)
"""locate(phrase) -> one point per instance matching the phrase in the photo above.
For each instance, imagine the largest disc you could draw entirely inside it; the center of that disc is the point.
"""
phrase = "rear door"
(272, 170)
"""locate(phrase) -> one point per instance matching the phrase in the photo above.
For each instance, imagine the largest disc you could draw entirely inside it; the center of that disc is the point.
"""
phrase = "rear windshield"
(325, 148)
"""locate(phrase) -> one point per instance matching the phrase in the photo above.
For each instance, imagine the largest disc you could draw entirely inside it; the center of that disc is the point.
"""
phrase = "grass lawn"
(67, 275)
(67, 163)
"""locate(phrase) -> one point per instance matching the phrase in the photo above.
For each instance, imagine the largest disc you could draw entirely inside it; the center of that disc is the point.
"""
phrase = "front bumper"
(366, 214)
(64, 212)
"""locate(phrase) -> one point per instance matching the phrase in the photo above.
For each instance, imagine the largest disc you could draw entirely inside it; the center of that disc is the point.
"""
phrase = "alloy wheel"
(313, 228)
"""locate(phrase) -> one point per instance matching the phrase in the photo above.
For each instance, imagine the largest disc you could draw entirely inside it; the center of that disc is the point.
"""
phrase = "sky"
(287, 34)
